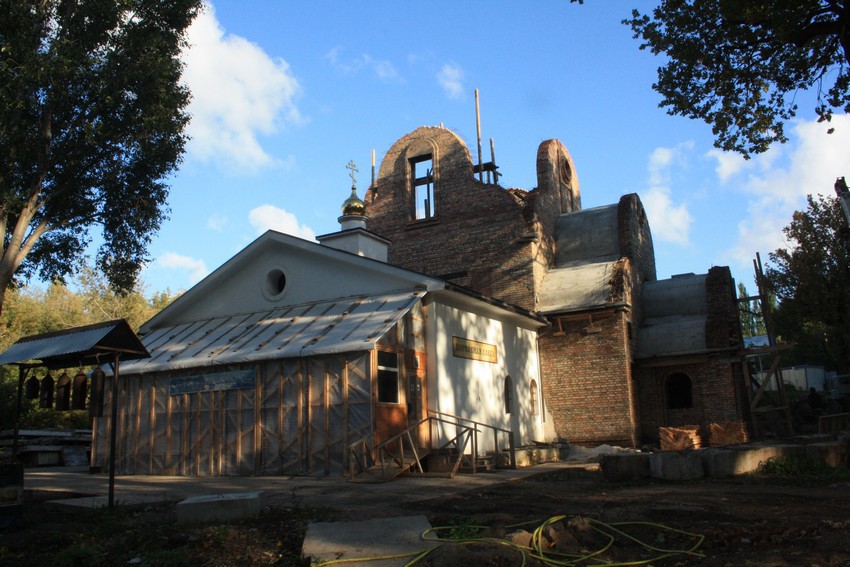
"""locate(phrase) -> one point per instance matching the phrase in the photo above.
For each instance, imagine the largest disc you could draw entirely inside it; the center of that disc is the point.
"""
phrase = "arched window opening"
(535, 409)
(422, 177)
(509, 394)
(679, 391)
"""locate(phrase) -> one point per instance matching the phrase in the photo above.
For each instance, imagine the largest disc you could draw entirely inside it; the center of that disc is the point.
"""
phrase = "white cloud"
(670, 222)
(728, 163)
(808, 164)
(239, 93)
(269, 217)
(450, 78)
(195, 268)
(217, 222)
(383, 69)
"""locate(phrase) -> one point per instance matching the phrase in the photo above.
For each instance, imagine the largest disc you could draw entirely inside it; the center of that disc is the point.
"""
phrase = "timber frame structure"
(761, 408)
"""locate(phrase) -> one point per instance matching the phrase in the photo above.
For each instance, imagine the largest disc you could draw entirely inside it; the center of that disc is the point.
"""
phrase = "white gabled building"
(294, 354)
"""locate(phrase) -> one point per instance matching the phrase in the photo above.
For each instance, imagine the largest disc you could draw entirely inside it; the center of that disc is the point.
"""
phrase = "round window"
(275, 284)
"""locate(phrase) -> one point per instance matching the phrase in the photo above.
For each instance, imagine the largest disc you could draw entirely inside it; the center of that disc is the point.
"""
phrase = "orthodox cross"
(352, 170)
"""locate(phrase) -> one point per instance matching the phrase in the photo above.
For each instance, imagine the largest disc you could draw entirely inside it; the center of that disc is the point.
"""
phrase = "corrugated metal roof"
(322, 327)
(79, 345)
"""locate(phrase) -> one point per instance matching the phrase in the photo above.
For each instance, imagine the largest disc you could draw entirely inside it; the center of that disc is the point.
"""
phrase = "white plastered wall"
(474, 389)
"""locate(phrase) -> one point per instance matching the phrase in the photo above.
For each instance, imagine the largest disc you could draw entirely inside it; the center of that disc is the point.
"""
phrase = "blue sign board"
(216, 382)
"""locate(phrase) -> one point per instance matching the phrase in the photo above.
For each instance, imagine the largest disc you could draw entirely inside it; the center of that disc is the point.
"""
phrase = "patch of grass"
(81, 555)
(796, 470)
(459, 529)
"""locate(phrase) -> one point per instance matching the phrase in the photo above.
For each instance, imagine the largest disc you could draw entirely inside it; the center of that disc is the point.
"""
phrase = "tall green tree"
(811, 280)
(92, 119)
(752, 320)
(739, 64)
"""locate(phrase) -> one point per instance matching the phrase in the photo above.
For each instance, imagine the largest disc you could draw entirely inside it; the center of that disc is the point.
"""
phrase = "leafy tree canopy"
(92, 117)
(811, 280)
(738, 64)
(752, 320)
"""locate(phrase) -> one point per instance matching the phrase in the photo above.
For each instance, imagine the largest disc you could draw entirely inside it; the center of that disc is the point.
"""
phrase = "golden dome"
(353, 205)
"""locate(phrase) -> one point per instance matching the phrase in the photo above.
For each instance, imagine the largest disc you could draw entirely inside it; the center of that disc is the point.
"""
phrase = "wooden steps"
(390, 469)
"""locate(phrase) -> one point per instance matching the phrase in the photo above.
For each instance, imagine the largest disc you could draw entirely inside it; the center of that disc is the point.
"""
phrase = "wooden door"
(389, 394)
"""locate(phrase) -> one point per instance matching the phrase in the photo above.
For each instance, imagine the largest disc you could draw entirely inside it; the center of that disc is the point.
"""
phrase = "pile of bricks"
(728, 433)
(680, 438)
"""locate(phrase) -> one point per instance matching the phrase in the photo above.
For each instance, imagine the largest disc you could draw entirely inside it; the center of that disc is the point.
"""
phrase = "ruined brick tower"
(625, 353)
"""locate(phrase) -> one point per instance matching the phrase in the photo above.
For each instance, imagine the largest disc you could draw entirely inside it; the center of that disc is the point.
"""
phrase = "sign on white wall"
(474, 350)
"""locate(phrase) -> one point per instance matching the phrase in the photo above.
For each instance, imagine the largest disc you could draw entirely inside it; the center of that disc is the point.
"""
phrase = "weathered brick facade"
(586, 368)
(716, 374)
(528, 248)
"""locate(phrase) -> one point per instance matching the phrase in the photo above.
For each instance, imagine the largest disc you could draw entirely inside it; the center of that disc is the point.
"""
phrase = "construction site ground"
(740, 521)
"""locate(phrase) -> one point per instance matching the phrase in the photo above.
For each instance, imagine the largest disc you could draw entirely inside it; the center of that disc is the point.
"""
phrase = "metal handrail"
(363, 457)
(496, 431)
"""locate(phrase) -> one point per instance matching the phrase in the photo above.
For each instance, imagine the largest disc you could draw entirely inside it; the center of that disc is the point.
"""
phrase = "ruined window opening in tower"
(422, 172)
(679, 391)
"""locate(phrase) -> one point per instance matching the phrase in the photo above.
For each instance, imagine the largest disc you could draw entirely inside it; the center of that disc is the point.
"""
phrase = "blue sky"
(286, 93)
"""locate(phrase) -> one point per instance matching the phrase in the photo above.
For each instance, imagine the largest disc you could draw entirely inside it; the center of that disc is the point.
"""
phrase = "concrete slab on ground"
(367, 539)
(220, 507)
(94, 502)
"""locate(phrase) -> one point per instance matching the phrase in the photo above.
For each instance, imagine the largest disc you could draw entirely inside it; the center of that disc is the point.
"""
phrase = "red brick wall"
(588, 381)
(482, 236)
(557, 193)
(716, 397)
(500, 242)
(723, 327)
(635, 240)
(717, 379)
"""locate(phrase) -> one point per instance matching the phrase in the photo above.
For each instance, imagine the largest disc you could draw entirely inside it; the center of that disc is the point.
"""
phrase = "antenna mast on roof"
(489, 167)
(478, 130)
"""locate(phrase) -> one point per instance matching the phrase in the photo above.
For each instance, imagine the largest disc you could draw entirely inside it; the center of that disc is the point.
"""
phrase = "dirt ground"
(746, 521)
(743, 522)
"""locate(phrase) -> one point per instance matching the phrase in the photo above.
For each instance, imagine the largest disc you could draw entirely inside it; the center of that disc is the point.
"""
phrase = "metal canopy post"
(22, 372)
(113, 429)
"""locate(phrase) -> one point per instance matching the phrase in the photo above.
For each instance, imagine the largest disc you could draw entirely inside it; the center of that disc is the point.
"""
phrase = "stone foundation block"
(685, 465)
(625, 466)
(724, 463)
(834, 453)
(219, 507)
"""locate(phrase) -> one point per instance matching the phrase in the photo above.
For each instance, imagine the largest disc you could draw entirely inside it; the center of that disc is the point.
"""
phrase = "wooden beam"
(258, 418)
(152, 426)
(760, 392)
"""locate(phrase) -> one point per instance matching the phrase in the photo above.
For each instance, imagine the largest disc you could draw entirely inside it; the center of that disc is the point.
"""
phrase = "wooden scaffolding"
(771, 415)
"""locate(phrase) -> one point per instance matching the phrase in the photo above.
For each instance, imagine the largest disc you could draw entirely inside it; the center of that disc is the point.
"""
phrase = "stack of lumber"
(728, 433)
(680, 438)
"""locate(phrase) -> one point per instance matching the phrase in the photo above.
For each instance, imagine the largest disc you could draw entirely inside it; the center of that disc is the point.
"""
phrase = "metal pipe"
(113, 431)
(478, 129)
(22, 372)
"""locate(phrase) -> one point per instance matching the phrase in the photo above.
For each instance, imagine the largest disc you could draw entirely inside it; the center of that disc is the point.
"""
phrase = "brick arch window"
(535, 398)
(509, 394)
(680, 392)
